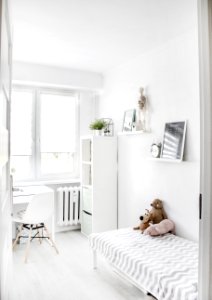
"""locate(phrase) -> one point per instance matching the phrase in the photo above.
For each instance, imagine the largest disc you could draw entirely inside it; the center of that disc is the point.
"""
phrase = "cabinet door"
(87, 199)
(86, 226)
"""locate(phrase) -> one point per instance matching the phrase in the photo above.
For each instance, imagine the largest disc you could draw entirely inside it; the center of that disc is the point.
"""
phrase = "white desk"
(30, 190)
(23, 195)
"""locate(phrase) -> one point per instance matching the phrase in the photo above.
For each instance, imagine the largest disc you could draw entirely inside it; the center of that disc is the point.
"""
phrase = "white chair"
(39, 209)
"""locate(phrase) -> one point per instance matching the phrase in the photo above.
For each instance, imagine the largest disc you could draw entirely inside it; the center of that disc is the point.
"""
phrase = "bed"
(165, 266)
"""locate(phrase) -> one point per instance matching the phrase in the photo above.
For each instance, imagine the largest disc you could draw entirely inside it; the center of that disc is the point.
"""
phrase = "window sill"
(46, 182)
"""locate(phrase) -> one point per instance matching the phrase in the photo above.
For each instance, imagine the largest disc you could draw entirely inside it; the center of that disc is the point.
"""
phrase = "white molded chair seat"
(39, 209)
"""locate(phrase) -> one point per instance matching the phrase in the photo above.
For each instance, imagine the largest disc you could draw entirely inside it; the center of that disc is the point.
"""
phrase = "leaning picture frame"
(173, 141)
(129, 119)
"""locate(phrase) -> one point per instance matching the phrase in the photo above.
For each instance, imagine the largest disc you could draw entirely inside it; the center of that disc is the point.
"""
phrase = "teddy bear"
(157, 212)
(145, 222)
(163, 227)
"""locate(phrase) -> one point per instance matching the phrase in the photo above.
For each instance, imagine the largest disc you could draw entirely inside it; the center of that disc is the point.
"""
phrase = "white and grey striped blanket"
(166, 266)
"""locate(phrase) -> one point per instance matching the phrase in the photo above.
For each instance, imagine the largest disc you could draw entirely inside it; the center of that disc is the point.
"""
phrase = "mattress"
(166, 266)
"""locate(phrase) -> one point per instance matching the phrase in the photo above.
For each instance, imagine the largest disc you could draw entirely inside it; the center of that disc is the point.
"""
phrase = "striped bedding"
(166, 266)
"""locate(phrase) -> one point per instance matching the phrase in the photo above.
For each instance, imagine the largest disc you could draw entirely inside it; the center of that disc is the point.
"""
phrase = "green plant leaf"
(98, 124)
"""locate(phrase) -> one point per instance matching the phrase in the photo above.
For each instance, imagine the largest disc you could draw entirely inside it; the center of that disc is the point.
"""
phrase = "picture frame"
(173, 140)
(129, 119)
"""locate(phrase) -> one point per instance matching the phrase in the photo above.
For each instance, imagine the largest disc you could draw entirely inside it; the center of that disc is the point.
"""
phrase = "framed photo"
(173, 140)
(129, 119)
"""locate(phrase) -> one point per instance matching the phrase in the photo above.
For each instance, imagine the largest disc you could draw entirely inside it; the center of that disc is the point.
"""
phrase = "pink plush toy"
(160, 228)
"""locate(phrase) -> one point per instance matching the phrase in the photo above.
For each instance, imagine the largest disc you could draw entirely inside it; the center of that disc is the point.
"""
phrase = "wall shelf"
(165, 160)
(136, 132)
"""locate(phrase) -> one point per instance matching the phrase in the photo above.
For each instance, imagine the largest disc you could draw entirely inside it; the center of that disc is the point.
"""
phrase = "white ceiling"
(95, 35)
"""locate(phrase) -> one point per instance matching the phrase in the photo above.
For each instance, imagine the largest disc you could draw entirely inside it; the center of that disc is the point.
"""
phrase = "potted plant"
(97, 126)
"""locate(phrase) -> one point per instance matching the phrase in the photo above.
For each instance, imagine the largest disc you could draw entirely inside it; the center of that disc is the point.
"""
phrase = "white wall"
(170, 76)
(54, 76)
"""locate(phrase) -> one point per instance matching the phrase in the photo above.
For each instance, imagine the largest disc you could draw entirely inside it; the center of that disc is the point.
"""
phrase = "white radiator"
(68, 200)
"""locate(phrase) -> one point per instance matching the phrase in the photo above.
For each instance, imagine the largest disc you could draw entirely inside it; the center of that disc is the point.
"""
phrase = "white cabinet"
(98, 183)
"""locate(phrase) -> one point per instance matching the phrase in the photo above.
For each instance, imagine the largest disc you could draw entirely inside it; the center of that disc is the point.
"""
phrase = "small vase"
(97, 132)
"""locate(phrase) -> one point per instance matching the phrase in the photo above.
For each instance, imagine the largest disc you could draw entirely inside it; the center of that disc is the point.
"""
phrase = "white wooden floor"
(67, 276)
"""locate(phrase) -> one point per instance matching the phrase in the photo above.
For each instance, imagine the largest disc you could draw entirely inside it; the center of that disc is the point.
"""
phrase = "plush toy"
(161, 228)
(145, 222)
(157, 212)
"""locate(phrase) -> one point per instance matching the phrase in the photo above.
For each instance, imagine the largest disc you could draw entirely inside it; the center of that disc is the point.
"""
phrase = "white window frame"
(28, 89)
(36, 153)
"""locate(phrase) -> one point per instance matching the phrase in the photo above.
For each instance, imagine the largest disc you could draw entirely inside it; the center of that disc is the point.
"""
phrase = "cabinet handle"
(86, 212)
(200, 206)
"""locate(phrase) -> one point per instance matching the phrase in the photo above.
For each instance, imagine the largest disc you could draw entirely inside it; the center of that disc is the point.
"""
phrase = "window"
(44, 134)
(22, 134)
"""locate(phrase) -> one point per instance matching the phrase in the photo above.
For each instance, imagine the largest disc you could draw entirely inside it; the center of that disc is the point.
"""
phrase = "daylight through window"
(44, 134)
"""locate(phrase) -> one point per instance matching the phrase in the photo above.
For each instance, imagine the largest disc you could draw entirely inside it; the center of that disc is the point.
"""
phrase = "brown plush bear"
(157, 212)
(145, 222)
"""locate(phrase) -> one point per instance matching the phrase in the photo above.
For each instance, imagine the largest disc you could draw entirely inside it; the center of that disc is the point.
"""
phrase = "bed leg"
(94, 259)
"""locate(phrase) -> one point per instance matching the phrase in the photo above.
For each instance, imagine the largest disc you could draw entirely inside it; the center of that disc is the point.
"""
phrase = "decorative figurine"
(141, 112)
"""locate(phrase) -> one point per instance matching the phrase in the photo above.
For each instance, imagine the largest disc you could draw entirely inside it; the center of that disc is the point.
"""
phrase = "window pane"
(21, 123)
(58, 123)
(21, 134)
(58, 133)
(54, 163)
(20, 167)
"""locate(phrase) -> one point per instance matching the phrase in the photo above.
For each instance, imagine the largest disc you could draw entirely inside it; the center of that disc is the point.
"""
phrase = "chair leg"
(28, 244)
(38, 232)
(50, 238)
(18, 236)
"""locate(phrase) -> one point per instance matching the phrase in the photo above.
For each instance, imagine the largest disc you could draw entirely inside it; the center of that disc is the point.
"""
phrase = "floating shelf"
(136, 132)
(165, 160)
